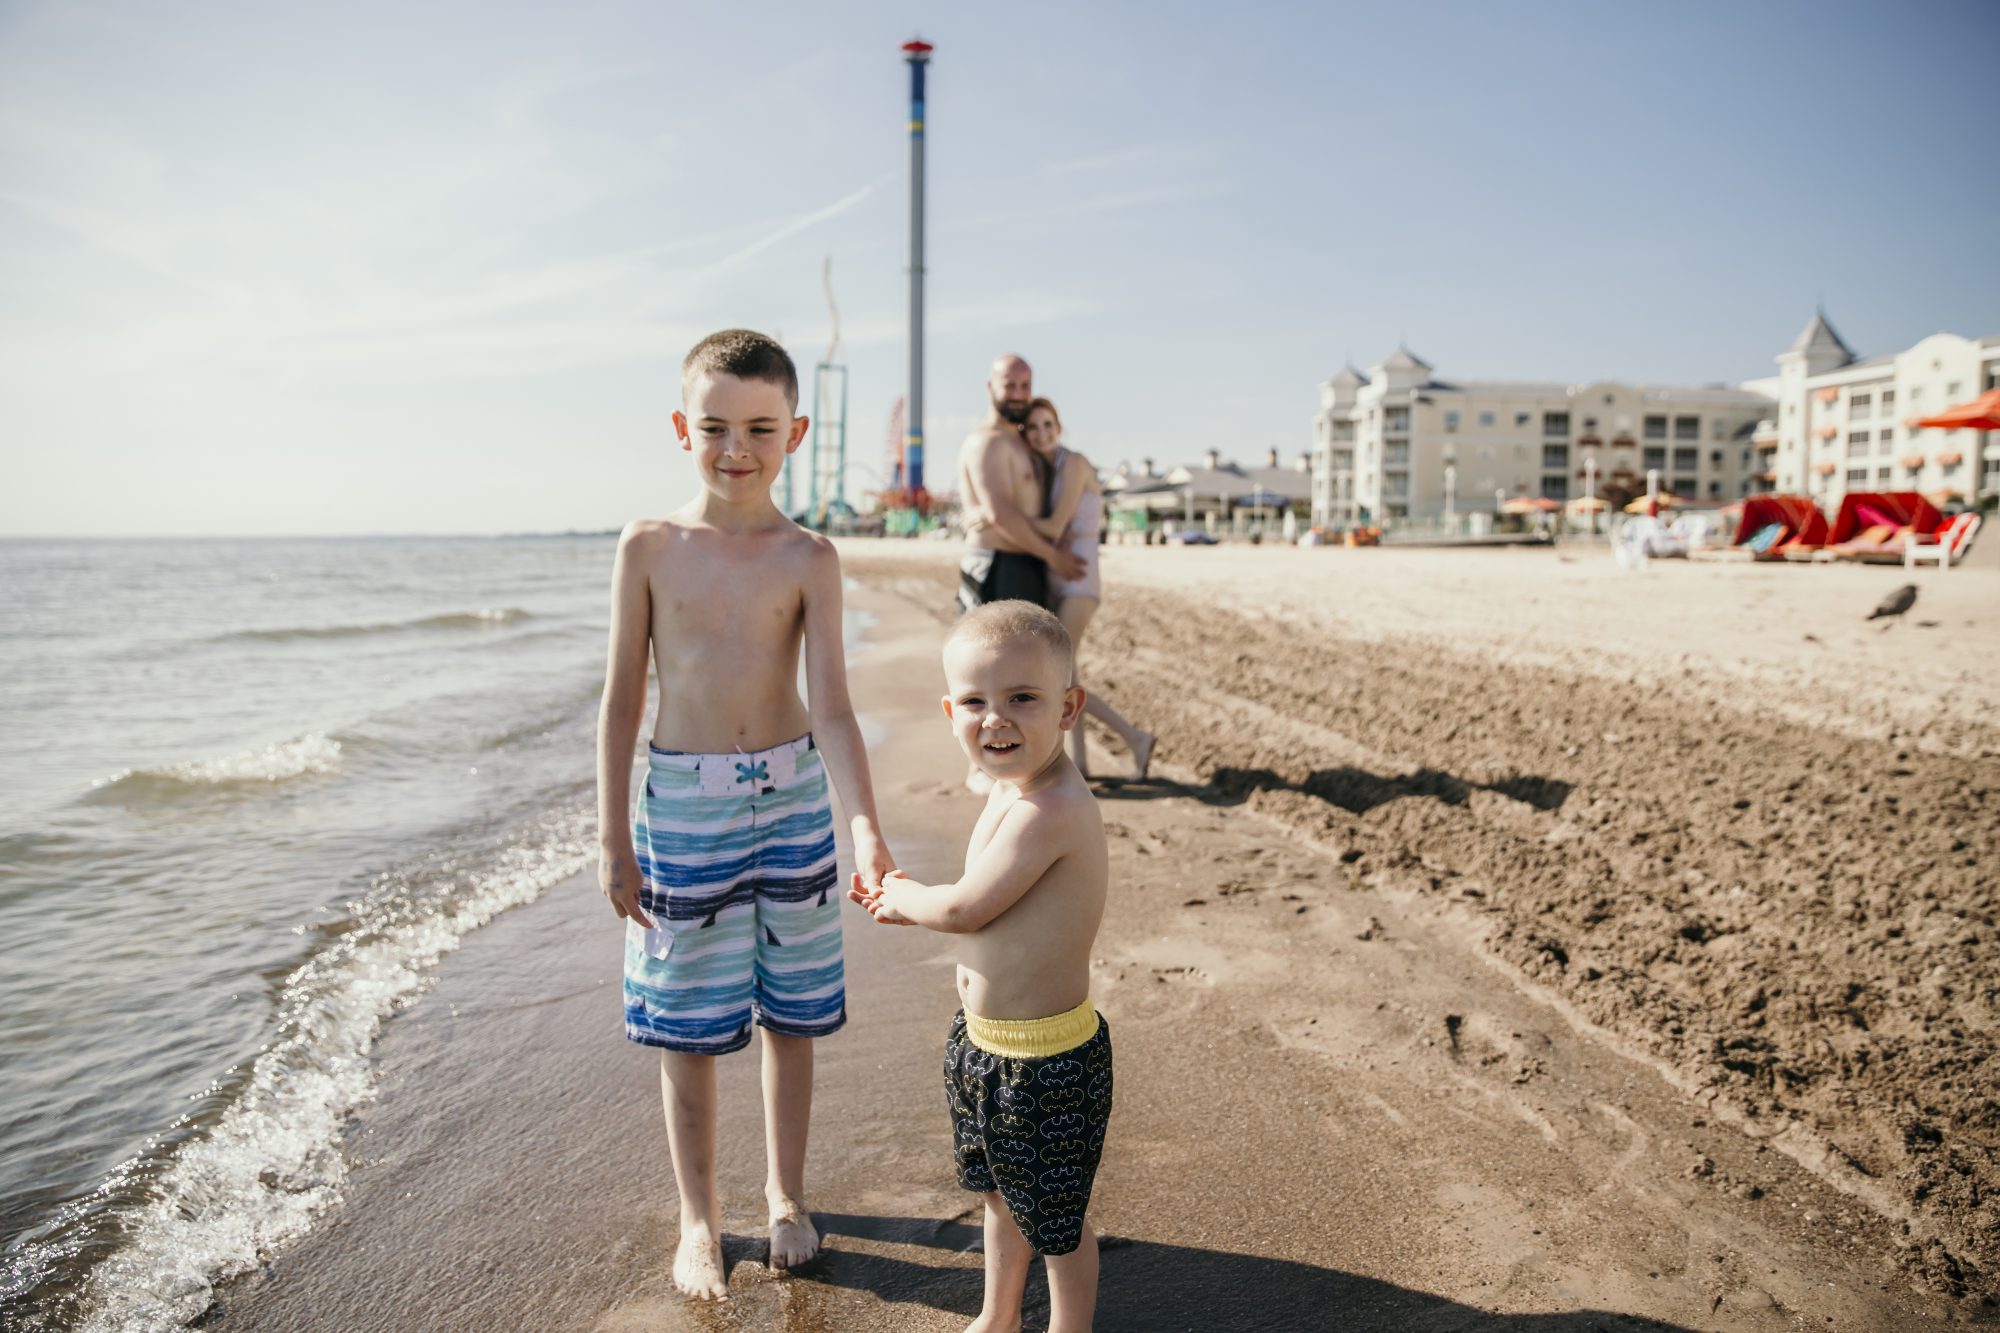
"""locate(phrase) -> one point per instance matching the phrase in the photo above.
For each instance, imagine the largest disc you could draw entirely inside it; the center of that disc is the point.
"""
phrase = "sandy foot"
(793, 1239)
(698, 1265)
(1142, 757)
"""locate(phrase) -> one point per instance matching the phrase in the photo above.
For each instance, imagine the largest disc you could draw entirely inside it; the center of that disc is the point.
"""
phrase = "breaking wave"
(487, 618)
(302, 756)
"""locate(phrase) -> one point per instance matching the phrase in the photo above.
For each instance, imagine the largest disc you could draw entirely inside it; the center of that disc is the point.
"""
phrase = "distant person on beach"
(1028, 1058)
(726, 880)
(1002, 487)
(1075, 516)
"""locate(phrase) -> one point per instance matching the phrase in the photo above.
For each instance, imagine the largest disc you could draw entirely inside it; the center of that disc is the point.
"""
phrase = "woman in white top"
(1076, 512)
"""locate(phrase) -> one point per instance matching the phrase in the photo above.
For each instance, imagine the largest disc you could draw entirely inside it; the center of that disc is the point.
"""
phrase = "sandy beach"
(1507, 943)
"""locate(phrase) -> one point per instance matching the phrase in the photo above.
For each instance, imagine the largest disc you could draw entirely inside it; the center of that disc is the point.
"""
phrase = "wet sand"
(1365, 1078)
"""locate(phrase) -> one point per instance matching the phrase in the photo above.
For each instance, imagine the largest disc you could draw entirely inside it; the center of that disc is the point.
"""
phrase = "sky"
(271, 268)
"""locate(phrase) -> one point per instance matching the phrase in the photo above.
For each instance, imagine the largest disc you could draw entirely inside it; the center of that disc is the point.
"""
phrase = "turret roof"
(1820, 337)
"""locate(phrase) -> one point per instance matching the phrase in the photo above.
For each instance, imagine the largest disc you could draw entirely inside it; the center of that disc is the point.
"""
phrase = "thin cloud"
(797, 225)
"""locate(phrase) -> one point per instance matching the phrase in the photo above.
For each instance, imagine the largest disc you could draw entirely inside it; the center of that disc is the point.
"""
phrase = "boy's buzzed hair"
(747, 355)
(1002, 622)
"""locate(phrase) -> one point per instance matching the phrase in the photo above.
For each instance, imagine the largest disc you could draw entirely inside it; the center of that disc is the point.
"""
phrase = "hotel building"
(1841, 424)
(1401, 443)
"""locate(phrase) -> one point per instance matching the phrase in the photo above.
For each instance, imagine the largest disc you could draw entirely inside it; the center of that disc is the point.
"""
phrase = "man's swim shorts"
(736, 853)
(1001, 576)
(1029, 1103)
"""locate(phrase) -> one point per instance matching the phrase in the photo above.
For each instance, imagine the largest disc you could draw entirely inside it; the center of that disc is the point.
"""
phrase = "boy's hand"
(871, 857)
(1067, 565)
(896, 890)
(618, 877)
(872, 899)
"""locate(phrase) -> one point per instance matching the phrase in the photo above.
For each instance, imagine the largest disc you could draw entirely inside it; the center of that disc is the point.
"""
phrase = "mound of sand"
(1708, 810)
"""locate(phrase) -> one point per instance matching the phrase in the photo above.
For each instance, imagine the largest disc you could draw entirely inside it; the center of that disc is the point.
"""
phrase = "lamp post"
(1590, 489)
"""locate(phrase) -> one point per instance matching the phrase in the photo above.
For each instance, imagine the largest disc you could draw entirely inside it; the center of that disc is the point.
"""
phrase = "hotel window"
(1451, 423)
(1857, 476)
(1684, 486)
(1555, 423)
(1485, 418)
(1555, 487)
(1861, 406)
(1884, 475)
(1555, 455)
(1855, 437)
(1522, 418)
(1715, 429)
(1951, 391)
(1949, 469)
(1396, 421)
(1888, 400)
(1589, 425)
(1883, 439)
(1715, 458)
(1687, 428)
(1656, 458)
(1656, 428)
(1715, 490)
(1686, 460)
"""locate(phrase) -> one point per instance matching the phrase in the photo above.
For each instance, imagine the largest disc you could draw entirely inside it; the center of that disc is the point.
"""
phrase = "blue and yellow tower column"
(918, 55)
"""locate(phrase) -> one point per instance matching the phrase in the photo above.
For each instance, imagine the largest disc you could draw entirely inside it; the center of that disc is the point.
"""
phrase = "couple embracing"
(1032, 513)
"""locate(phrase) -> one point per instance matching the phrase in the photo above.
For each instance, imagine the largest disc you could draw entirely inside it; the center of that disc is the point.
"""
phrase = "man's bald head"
(1011, 386)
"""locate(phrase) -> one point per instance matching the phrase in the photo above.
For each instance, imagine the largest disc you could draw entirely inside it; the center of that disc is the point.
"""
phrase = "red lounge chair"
(1856, 533)
(1804, 526)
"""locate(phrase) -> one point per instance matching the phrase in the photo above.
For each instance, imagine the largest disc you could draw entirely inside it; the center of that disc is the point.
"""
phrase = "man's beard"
(1014, 413)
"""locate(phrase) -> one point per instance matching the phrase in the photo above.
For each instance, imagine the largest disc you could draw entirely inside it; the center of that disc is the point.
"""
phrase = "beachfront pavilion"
(1217, 496)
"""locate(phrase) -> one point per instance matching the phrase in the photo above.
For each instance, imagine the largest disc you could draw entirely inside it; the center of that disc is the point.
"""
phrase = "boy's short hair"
(1004, 622)
(747, 355)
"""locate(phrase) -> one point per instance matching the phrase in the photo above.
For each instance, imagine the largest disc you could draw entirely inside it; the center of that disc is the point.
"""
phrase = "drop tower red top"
(917, 49)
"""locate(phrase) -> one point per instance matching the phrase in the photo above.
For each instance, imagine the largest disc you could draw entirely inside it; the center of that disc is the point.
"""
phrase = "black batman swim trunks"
(1032, 1125)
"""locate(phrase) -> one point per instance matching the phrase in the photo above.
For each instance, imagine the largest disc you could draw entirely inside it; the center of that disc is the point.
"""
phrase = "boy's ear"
(799, 425)
(681, 431)
(1072, 709)
(946, 701)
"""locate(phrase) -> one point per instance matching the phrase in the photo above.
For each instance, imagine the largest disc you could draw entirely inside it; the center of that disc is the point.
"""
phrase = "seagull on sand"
(1896, 603)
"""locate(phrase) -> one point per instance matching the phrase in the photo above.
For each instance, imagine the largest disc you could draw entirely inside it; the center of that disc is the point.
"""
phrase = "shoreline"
(1394, 1169)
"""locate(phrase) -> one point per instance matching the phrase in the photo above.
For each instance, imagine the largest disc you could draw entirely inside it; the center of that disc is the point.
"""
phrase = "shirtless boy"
(1002, 489)
(1028, 1059)
(726, 880)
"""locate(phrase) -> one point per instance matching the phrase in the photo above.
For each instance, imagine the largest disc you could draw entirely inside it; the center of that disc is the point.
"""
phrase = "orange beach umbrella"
(1982, 413)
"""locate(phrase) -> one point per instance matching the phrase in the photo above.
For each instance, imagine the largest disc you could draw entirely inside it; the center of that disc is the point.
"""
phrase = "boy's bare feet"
(698, 1265)
(1142, 755)
(794, 1240)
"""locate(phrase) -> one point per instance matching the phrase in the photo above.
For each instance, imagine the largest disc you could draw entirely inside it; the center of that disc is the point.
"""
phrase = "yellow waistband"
(1033, 1038)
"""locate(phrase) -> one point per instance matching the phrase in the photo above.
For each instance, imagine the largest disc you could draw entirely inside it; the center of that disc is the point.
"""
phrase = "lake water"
(249, 792)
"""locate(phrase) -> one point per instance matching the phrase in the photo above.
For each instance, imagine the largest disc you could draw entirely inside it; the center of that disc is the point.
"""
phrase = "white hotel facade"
(1840, 424)
(1401, 443)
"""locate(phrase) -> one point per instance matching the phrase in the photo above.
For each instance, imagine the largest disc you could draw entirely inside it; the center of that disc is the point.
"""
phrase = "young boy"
(1028, 1060)
(727, 883)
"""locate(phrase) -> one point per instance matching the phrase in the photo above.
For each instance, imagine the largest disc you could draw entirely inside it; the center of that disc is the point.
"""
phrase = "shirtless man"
(1001, 487)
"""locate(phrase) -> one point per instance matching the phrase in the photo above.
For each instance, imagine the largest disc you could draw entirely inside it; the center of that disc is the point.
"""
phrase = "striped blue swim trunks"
(736, 851)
